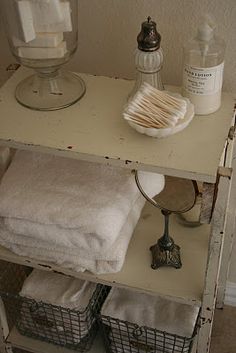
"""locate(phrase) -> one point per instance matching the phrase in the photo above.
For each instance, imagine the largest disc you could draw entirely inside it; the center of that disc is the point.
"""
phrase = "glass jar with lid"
(42, 35)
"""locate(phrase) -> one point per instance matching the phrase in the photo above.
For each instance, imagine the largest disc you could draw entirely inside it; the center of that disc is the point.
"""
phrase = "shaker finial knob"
(149, 39)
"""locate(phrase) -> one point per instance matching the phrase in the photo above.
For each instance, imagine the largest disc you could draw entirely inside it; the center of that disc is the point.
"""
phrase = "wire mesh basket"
(125, 337)
(51, 323)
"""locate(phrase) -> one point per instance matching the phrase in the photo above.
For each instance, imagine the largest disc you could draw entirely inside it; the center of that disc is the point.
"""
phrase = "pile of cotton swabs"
(153, 108)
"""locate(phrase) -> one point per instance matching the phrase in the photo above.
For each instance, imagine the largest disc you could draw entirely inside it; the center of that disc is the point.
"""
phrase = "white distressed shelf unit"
(94, 130)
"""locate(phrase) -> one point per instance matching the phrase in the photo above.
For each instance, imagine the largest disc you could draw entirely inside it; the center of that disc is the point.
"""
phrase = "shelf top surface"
(93, 129)
(184, 285)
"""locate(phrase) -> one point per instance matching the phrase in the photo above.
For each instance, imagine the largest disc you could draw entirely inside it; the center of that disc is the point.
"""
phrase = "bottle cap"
(206, 29)
(149, 39)
(205, 32)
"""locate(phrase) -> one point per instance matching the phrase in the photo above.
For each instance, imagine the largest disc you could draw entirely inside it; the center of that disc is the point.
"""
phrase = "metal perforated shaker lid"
(149, 39)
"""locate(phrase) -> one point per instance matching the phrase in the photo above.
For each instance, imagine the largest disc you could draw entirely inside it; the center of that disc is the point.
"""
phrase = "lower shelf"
(16, 340)
(29, 344)
(183, 285)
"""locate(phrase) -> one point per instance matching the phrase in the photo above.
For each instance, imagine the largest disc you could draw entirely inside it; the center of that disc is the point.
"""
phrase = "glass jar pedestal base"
(50, 90)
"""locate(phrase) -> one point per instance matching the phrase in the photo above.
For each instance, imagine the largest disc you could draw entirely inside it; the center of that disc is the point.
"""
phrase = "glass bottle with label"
(203, 69)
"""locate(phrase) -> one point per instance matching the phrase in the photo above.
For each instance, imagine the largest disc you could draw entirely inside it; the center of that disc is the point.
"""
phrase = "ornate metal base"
(165, 257)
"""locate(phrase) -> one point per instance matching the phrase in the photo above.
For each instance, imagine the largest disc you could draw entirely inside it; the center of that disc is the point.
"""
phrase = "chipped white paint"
(93, 129)
(230, 226)
(218, 226)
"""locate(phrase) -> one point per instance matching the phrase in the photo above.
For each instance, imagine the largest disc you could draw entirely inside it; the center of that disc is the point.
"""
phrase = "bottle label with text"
(203, 81)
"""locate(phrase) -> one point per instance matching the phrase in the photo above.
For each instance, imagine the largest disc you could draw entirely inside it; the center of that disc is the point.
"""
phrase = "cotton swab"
(153, 108)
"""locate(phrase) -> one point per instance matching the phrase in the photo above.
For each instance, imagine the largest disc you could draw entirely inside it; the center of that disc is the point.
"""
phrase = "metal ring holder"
(165, 252)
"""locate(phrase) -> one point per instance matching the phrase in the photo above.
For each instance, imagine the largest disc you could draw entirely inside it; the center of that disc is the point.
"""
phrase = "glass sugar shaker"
(148, 57)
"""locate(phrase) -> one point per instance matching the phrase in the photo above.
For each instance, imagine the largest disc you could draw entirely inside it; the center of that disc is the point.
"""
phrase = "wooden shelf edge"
(8, 256)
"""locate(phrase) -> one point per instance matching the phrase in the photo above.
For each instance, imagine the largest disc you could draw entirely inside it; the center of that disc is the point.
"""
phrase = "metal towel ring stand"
(165, 252)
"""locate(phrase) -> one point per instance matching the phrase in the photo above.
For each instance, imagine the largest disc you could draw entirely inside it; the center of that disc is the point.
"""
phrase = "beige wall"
(108, 30)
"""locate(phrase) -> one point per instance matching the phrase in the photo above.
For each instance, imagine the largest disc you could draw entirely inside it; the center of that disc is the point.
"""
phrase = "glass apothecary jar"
(43, 35)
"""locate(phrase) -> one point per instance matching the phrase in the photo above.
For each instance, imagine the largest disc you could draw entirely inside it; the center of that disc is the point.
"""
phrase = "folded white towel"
(151, 311)
(76, 214)
(69, 203)
(56, 289)
(56, 324)
(76, 258)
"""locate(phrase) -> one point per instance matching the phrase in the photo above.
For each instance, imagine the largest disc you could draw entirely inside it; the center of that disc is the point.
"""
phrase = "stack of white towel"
(76, 214)
(151, 312)
(56, 323)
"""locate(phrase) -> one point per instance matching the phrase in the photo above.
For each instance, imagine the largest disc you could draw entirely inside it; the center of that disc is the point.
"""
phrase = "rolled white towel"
(56, 289)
